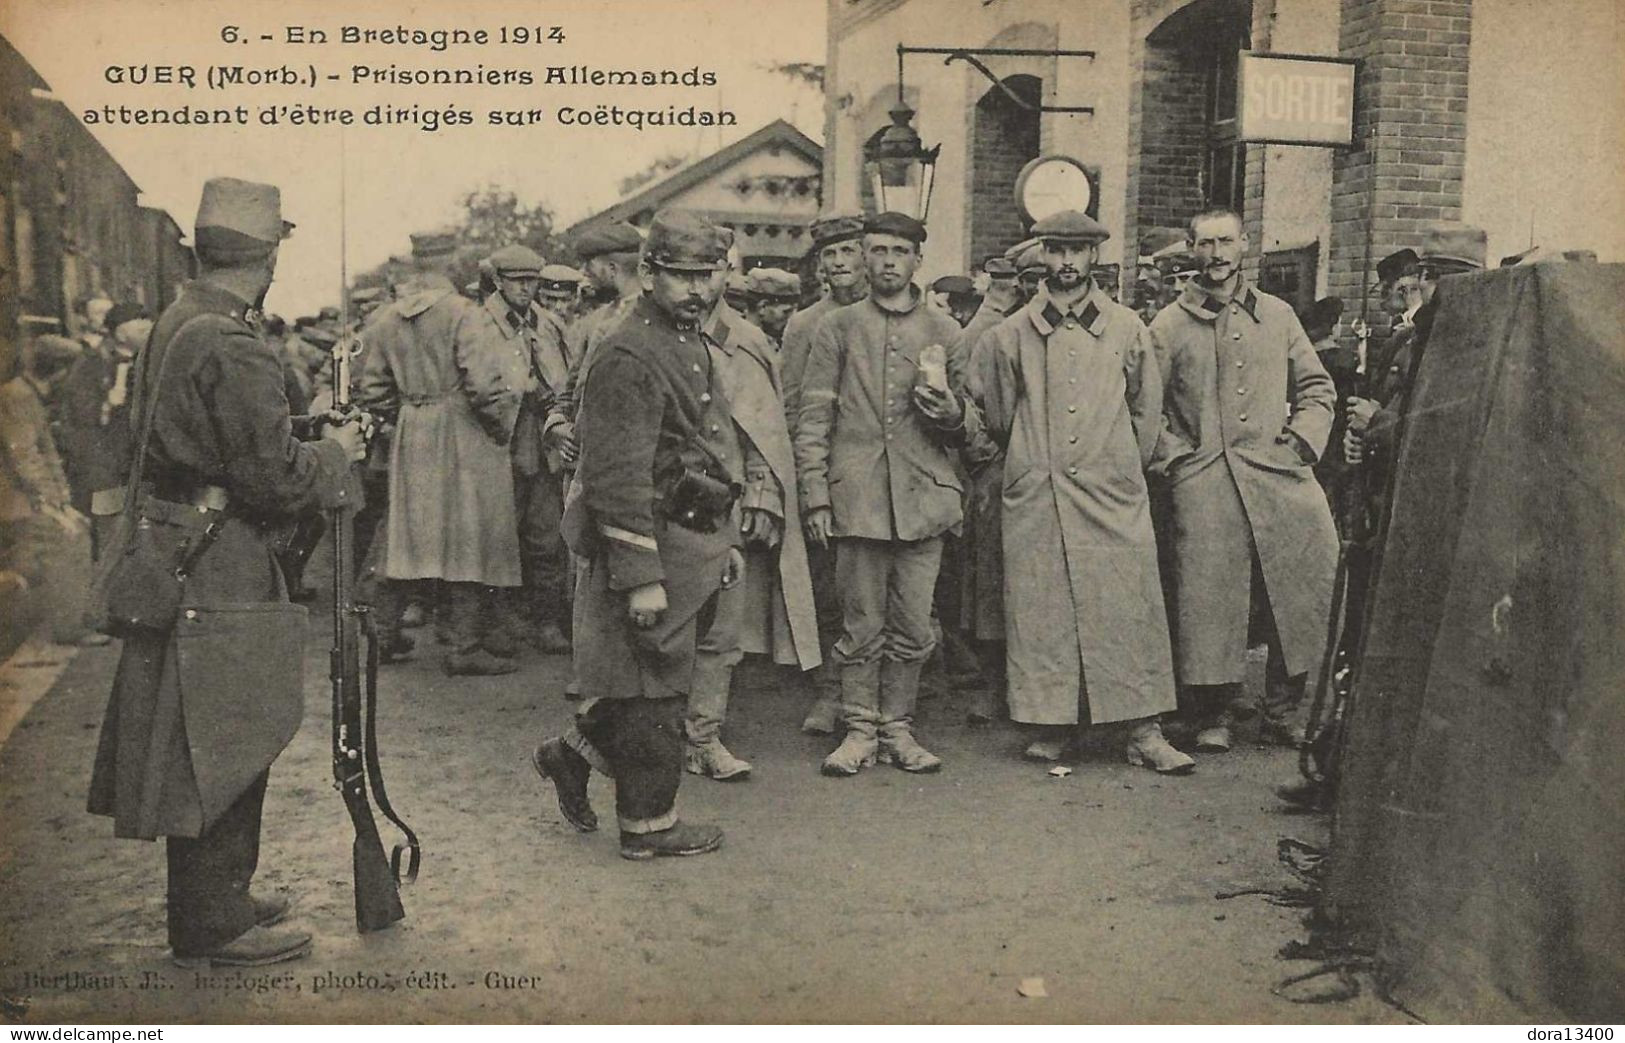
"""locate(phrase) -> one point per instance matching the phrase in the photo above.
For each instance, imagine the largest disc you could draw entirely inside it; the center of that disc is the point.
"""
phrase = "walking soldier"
(653, 513)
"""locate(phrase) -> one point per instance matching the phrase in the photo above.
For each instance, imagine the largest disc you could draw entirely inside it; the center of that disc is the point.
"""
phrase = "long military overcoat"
(1238, 377)
(779, 619)
(433, 365)
(1077, 397)
(181, 741)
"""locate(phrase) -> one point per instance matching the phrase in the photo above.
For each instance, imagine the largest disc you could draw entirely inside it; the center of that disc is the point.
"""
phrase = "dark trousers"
(544, 562)
(474, 611)
(209, 876)
(642, 741)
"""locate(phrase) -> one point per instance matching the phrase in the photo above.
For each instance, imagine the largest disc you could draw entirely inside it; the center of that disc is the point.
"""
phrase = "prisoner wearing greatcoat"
(1075, 395)
(1242, 381)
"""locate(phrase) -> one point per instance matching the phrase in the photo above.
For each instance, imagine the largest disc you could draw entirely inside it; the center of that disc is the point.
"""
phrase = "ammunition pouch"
(699, 501)
(140, 583)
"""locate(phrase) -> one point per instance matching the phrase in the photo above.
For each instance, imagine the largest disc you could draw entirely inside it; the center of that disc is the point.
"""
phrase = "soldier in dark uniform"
(655, 518)
(187, 757)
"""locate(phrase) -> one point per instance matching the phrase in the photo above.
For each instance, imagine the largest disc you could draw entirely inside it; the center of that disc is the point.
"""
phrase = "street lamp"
(900, 168)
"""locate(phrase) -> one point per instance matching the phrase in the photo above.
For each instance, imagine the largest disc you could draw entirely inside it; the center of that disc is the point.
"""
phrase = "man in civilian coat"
(875, 448)
(1246, 412)
(185, 753)
(653, 512)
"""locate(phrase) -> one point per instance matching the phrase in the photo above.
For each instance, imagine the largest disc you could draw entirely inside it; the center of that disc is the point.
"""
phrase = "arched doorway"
(1004, 137)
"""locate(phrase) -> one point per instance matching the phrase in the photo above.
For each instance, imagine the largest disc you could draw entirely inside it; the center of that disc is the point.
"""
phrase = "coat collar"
(719, 327)
(497, 306)
(646, 309)
(1208, 308)
(916, 297)
(1045, 314)
(221, 300)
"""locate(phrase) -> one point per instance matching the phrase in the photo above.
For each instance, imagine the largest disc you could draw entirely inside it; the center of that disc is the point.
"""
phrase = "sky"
(400, 179)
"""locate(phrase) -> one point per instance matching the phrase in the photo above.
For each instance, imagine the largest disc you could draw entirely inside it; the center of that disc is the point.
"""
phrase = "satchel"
(699, 501)
(139, 583)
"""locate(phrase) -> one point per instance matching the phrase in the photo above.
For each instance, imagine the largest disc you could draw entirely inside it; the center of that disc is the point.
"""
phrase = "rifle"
(355, 743)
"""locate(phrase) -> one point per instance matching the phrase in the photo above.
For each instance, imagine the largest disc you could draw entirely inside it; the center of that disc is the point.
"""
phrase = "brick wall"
(1173, 138)
(1411, 116)
(1004, 138)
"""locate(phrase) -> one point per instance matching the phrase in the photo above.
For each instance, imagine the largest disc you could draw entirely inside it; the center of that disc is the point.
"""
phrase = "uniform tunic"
(795, 347)
(981, 576)
(1076, 396)
(652, 405)
(1237, 376)
(777, 616)
(433, 365)
(221, 419)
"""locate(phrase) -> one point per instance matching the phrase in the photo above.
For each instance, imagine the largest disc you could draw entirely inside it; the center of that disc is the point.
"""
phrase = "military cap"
(774, 284)
(830, 229)
(1396, 264)
(738, 284)
(517, 260)
(1107, 273)
(56, 348)
(1000, 267)
(241, 218)
(1031, 259)
(560, 277)
(322, 338)
(682, 241)
(1015, 253)
(119, 314)
(303, 321)
(953, 284)
(330, 313)
(272, 323)
(894, 223)
(366, 295)
(1454, 244)
(1070, 226)
(1178, 264)
(429, 245)
(611, 237)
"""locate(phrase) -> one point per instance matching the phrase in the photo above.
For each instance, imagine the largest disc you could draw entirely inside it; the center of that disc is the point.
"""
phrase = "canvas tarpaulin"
(1479, 833)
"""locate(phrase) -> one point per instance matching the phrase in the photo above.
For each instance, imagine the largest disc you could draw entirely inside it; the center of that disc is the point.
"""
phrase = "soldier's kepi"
(653, 513)
(186, 746)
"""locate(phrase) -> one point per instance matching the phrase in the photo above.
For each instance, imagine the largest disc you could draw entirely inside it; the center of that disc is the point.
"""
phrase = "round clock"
(1049, 184)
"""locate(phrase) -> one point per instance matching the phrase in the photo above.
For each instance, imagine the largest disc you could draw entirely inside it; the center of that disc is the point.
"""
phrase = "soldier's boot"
(1282, 698)
(1147, 747)
(707, 709)
(681, 839)
(899, 691)
(1049, 742)
(825, 712)
(569, 772)
(1216, 716)
(860, 706)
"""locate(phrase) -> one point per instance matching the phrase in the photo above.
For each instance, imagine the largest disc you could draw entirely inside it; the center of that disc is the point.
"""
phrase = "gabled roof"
(778, 133)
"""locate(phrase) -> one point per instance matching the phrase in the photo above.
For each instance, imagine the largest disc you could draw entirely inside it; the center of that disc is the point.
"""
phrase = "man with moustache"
(1246, 414)
(1070, 387)
(657, 522)
(875, 446)
(838, 242)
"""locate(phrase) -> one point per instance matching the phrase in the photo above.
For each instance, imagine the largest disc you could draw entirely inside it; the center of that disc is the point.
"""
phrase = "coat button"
(682, 339)
(1240, 363)
(1243, 418)
(696, 367)
(1235, 336)
(1072, 470)
(715, 429)
(1071, 409)
(1241, 391)
(1073, 439)
(705, 396)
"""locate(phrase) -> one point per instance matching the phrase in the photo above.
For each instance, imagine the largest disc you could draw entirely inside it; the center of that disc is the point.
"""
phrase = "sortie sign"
(1295, 99)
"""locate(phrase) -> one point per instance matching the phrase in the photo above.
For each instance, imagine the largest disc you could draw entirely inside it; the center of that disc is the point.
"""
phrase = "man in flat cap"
(838, 244)
(186, 746)
(1031, 269)
(560, 292)
(882, 415)
(534, 372)
(610, 254)
(958, 297)
(654, 513)
(434, 369)
(1246, 415)
(1070, 388)
(771, 295)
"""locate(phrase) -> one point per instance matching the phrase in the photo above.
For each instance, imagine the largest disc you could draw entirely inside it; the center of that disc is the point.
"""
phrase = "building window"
(1004, 138)
(1224, 170)
(1290, 275)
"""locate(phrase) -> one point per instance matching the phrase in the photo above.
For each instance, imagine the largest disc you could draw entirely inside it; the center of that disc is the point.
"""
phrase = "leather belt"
(203, 497)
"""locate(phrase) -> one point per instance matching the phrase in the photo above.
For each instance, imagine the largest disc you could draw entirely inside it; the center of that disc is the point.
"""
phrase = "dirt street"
(884, 897)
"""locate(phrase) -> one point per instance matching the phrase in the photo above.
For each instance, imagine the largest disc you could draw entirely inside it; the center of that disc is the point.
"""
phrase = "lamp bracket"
(972, 56)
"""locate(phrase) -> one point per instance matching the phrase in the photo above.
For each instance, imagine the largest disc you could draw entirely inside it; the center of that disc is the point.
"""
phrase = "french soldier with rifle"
(192, 585)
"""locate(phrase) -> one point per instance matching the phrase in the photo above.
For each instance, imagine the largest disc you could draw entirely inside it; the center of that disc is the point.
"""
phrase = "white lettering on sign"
(1295, 100)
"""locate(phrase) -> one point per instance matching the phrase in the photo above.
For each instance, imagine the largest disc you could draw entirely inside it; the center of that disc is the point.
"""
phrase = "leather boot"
(1282, 698)
(899, 689)
(702, 725)
(860, 706)
(714, 761)
(1147, 747)
(825, 712)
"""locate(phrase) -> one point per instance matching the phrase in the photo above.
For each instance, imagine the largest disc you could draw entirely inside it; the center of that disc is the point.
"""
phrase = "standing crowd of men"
(657, 465)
